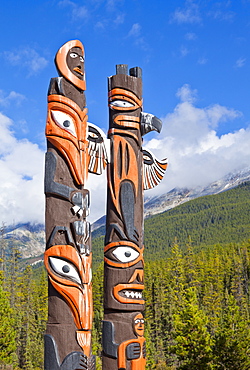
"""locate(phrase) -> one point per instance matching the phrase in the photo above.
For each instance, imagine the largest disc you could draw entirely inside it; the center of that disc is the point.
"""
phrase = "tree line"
(197, 310)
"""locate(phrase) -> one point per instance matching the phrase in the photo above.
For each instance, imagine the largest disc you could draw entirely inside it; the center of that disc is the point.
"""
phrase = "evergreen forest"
(197, 287)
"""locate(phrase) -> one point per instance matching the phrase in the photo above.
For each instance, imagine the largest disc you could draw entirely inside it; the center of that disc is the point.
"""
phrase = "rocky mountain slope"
(30, 238)
(177, 196)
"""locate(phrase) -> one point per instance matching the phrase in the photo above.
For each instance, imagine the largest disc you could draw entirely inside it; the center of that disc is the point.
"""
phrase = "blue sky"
(195, 58)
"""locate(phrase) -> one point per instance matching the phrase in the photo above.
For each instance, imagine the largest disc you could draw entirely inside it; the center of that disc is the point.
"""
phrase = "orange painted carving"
(66, 129)
(127, 121)
(132, 289)
(84, 340)
(136, 364)
(118, 96)
(70, 274)
(125, 167)
(62, 66)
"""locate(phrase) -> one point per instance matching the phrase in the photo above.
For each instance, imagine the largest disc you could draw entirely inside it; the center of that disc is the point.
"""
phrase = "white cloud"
(77, 11)
(21, 185)
(135, 30)
(13, 97)
(197, 155)
(28, 58)
(189, 14)
(202, 61)
(22, 179)
(135, 33)
(240, 62)
(190, 36)
(222, 15)
(119, 19)
(184, 51)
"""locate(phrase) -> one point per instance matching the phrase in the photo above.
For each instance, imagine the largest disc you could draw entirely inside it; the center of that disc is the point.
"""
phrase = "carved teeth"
(132, 294)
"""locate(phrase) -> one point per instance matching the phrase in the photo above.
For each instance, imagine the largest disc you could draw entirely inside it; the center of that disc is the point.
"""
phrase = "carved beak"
(149, 122)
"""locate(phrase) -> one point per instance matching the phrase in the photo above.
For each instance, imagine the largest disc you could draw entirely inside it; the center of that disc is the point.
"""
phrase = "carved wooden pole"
(74, 148)
(130, 170)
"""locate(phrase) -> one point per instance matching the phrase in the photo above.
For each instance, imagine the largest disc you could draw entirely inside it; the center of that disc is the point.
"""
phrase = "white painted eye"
(64, 121)
(81, 59)
(125, 254)
(121, 104)
(73, 55)
(65, 269)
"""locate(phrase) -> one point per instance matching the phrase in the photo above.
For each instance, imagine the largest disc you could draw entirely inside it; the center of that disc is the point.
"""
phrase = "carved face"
(75, 62)
(138, 324)
(66, 129)
(70, 274)
(124, 110)
(70, 63)
(124, 276)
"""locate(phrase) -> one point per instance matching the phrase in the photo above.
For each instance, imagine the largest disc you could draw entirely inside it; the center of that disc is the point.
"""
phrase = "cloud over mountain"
(197, 156)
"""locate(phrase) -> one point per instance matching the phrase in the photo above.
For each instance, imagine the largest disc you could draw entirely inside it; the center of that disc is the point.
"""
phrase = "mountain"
(175, 197)
(30, 238)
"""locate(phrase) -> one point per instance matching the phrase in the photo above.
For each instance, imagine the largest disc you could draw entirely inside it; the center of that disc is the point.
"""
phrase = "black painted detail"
(144, 350)
(73, 361)
(127, 201)
(149, 122)
(110, 348)
(121, 69)
(133, 351)
(135, 72)
(63, 229)
(109, 233)
(50, 186)
(56, 86)
(91, 363)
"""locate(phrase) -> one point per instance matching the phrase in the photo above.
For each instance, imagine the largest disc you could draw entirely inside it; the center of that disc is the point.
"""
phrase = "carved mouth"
(129, 293)
(134, 294)
(78, 70)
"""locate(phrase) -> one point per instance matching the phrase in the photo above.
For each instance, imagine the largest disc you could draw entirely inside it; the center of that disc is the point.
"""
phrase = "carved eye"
(64, 121)
(73, 55)
(138, 321)
(81, 59)
(125, 254)
(147, 158)
(94, 135)
(65, 269)
(121, 104)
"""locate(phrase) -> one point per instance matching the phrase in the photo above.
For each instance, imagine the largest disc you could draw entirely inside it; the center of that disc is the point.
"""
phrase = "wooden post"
(74, 148)
(131, 170)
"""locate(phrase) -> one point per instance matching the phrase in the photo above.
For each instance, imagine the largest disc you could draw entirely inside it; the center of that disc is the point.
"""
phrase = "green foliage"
(222, 218)
(7, 330)
(193, 342)
(197, 291)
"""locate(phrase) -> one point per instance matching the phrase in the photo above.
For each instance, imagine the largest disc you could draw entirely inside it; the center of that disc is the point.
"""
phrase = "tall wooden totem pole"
(75, 148)
(131, 170)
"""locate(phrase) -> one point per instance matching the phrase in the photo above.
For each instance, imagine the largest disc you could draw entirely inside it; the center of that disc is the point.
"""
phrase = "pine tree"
(193, 343)
(7, 330)
(232, 341)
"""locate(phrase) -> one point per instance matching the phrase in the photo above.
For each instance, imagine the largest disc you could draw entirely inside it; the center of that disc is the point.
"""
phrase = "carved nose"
(149, 122)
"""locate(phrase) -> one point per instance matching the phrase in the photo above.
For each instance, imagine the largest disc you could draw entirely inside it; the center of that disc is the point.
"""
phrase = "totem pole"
(131, 169)
(74, 148)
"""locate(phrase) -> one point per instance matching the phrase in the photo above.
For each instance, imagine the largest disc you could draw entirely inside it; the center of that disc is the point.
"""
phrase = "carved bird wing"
(97, 149)
(153, 169)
